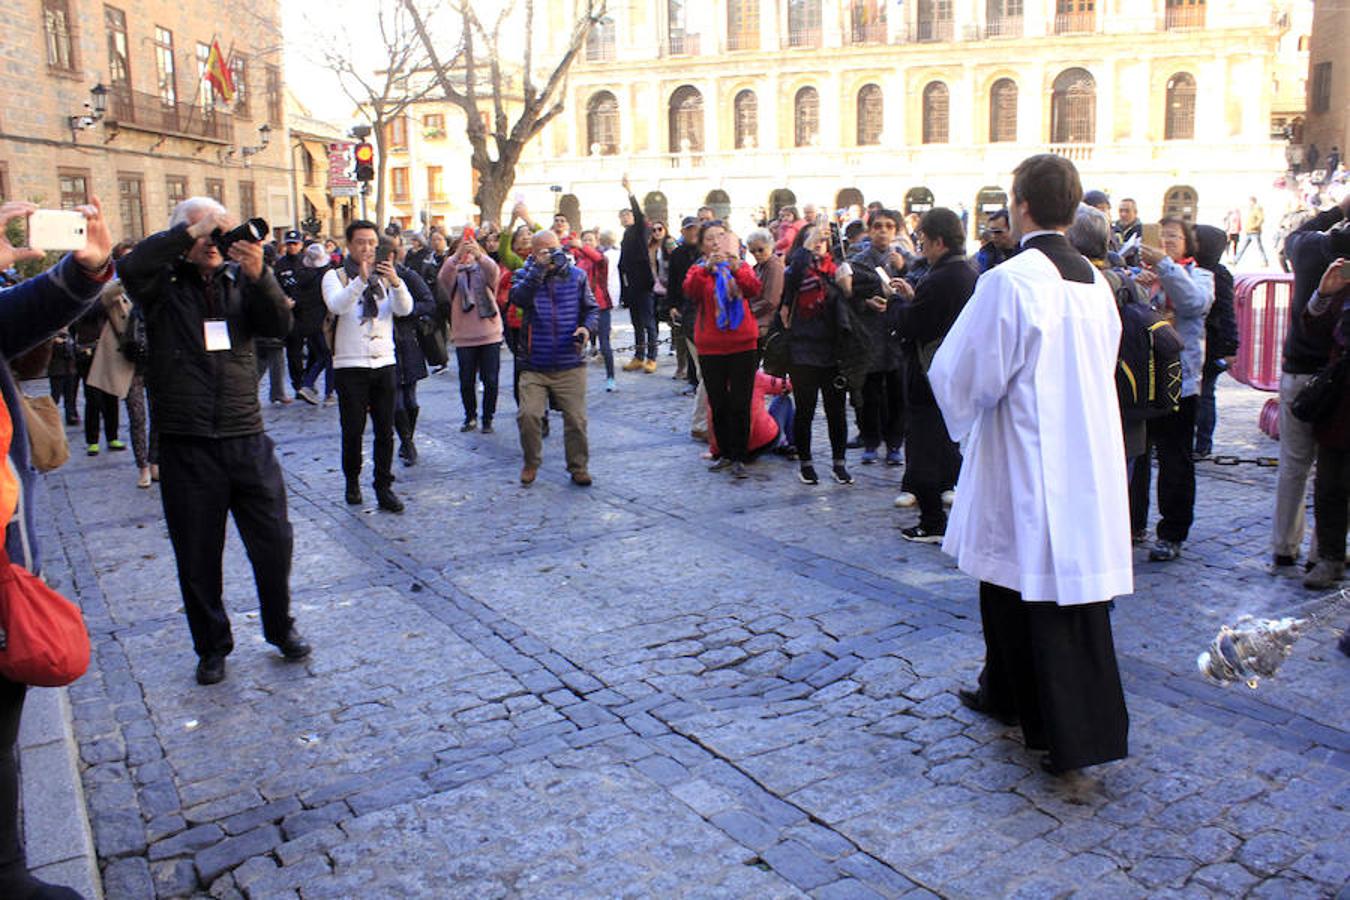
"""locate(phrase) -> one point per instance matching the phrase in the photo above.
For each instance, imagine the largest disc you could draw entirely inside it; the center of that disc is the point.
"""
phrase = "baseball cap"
(687, 221)
(292, 237)
(1096, 198)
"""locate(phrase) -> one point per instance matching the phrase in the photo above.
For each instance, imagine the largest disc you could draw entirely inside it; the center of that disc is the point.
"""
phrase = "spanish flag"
(218, 73)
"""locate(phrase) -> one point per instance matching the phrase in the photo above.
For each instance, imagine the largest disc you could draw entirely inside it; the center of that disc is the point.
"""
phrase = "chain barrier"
(1261, 462)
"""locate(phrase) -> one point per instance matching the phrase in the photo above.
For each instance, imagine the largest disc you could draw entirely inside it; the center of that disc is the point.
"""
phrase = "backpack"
(1148, 365)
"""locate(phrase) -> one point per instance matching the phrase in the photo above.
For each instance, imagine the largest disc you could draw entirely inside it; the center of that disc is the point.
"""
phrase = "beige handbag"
(46, 433)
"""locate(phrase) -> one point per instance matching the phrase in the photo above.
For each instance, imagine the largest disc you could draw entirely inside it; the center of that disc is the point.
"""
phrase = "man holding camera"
(559, 314)
(202, 316)
(364, 295)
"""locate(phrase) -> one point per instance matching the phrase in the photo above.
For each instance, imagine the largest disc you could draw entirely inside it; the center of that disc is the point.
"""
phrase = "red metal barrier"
(1262, 305)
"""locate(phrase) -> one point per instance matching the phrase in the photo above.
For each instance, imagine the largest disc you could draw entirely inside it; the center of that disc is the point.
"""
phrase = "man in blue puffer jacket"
(559, 314)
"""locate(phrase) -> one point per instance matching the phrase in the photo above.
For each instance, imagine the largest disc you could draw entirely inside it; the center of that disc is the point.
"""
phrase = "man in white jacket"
(1025, 381)
(364, 295)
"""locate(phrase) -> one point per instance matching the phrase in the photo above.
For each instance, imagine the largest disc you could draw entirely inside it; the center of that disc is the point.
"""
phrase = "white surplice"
(1026, 383)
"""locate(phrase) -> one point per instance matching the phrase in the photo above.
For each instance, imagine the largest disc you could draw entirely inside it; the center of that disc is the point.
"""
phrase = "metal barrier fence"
(1261, 303)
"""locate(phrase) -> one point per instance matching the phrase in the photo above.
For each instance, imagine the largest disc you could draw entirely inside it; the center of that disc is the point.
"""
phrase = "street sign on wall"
(340, 180)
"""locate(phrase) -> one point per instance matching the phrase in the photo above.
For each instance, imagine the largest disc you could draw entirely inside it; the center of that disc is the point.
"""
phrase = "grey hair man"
(206, 299)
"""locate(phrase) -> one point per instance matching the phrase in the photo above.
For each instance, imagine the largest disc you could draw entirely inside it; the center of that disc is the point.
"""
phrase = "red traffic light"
(364, 153)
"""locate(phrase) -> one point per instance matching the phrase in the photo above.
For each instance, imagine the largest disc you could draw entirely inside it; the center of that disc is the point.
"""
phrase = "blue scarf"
(730, 309)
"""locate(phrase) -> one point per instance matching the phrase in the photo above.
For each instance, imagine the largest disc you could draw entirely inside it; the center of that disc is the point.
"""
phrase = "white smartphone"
(885, 280)
(56, 229)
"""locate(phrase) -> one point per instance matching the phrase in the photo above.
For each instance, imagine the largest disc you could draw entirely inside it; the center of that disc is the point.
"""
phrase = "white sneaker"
(906, 500)
(948, 498)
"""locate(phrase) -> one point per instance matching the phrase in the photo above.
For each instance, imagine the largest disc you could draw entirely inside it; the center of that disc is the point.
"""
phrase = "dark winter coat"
(194, 392)
(938, 300)
(635, 265)
(1310, 249)
(1221, 330)
(408, 355)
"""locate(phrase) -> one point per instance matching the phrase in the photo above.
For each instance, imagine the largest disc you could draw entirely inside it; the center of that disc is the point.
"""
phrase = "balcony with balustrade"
(867, 33)
(684, 44)
(141, 111)
(1181, 17)
(1003, 27)
(1077, 22)
(743, 40)
(934, 30)
(802, 38)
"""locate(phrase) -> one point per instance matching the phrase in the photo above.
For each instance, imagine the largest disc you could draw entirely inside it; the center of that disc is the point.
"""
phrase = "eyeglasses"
(998, 231)
(658, 228)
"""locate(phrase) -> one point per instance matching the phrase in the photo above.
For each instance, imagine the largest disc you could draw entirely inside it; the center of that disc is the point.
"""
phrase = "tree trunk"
(493, 186)
(381, 167)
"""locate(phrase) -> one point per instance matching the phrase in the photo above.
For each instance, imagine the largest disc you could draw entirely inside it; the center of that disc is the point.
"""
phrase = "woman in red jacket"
(591, 261)
(720, 287)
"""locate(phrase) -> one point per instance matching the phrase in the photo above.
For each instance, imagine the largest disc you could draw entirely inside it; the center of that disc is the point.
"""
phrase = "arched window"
(848, 197)
(871, 116)
(1073, 108)
(655, 207)
(918, 200)
(1003, 111)
(803, 23)
(600, 41)
(935, 113)
(602, 124)
(742, 24)
(1180, 124)
(779, 198)
(570, 206)
(1181, 201)
(720, 202)
(686, 120)
(806, 117)
(746, 108)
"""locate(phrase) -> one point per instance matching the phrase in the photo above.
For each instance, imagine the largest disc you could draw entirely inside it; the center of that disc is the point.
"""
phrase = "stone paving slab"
(669, 684)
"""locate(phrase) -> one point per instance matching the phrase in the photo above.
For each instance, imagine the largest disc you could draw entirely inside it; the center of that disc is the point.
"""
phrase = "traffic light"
(365, 161)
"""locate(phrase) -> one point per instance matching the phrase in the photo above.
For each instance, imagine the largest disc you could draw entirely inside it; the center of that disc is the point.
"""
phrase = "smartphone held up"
(57, 229)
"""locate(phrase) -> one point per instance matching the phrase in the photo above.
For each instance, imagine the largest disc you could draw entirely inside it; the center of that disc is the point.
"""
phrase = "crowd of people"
(1051, 365)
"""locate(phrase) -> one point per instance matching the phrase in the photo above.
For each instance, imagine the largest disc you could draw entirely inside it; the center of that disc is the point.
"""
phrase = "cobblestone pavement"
(669, 684)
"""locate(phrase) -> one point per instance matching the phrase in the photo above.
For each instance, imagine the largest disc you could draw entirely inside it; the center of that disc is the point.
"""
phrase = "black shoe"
(487, 427)
(1282, 560)
(388, 500)
(721, 464)
(353, 493)
(840, 474)
(471, 425)
(294, 646)
(211, 669)
(807, 474)
(974, 701)
(409, 453)
(920, 535)
(1049, 768)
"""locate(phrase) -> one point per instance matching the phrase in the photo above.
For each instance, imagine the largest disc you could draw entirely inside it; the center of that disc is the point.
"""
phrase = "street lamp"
(94, 109)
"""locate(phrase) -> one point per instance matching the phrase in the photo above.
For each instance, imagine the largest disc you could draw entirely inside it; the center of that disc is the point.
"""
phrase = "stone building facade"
(1329, 78)
(747, 104)
(161, 138)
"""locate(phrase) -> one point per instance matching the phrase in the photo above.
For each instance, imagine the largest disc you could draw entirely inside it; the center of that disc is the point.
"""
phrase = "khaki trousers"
(566, 389)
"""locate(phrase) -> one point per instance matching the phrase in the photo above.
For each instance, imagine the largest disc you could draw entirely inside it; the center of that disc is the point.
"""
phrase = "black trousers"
(1331, 492)
(12, 861)
(808, 382)
(202, 482)
(1173, 436)
(64, 389)
(1054, 668)
(479, 363)
(882, 416)
(364, 391)
(99, 405)
(729, 379)
(932, 464)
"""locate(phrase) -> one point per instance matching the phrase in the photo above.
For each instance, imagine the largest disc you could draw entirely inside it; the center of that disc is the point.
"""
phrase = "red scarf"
(811, 294)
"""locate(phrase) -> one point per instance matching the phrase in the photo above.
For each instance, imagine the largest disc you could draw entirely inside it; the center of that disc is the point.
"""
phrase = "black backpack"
(1148, 365)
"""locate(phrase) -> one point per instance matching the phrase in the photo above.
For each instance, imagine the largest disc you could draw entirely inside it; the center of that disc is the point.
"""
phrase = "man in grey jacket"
(1184, 292)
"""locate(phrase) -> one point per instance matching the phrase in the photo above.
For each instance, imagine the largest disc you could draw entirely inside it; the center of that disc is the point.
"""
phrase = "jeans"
(882, 417)
(808, 382)
(606, 348)
(362, 391)
(1246, 242)
(1298, 448)
(730, 381)
(272, 362)
(320, 363)
(565, 390)
(482, 363)
(643, 312)
(203, 482)
(99, 404)
(1207, 415)
(65, 389)
(295, 359)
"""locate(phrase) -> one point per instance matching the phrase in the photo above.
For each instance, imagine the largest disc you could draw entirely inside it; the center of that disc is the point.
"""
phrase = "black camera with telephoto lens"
(253, 230)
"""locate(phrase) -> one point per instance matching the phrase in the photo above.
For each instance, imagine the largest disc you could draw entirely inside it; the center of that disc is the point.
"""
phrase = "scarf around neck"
(730, 309)
(472, 290)
(373, 294)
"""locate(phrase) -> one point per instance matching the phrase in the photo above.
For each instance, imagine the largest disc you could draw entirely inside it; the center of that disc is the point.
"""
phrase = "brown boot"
(527, 474)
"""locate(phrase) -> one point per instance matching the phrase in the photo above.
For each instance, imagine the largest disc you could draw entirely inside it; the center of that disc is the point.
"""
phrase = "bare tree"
(385, 90)
(476, 64)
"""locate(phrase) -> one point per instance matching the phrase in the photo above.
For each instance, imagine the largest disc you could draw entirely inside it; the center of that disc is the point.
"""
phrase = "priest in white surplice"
(1025, 381)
